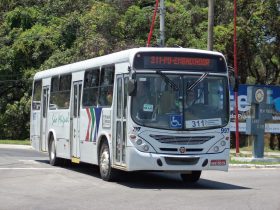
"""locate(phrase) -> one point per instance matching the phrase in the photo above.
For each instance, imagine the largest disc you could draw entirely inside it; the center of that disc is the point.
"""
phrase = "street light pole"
(210, 24)
(236, 79)
(161, 26)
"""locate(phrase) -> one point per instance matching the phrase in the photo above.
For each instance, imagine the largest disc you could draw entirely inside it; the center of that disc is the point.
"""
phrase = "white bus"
(150, 109)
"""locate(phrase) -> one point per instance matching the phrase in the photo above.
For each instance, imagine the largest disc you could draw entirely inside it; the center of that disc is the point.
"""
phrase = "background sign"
(272, 126)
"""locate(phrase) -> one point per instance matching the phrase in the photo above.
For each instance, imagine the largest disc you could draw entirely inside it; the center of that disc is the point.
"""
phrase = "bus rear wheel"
(192, 177)
(106, 171)
(54, 161)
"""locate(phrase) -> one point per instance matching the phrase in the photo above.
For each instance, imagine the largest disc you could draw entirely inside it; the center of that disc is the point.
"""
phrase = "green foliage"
(41, 34)
(23, 18)
(136, 22)
(34, 46)
(12, 119)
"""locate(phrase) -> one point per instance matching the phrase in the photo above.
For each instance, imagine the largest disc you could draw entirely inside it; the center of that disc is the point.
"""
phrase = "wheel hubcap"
(52, 154)
(104, 162)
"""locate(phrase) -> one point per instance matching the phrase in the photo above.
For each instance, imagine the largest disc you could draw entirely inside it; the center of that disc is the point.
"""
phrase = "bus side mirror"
(132, 87)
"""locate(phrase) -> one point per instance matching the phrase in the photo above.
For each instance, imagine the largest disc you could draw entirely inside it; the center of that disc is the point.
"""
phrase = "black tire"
(54, 161)
(193, 177)
(107, 173)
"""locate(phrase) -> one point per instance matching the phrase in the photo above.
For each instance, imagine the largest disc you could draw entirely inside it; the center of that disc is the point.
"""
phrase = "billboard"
(272, 126)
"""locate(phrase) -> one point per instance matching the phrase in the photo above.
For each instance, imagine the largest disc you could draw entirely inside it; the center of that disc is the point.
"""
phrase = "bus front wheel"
(191, 177)
(106, 171)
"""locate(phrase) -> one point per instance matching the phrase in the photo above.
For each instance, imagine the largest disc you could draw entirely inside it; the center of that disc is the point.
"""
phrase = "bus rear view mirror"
(131, 87)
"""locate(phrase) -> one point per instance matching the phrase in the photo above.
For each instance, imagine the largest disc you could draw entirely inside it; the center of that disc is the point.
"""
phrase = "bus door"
(76, 119)
(44, 118)
(120, 122)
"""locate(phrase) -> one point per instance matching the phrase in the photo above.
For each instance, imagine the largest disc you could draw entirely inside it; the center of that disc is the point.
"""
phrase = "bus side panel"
(88, 136)
(35, 129)
(59, 122)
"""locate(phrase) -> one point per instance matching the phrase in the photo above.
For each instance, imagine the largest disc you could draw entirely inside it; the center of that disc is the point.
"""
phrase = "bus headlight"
(223, 143)
(145, 147)
(218, 147)
(142, 145)
(139, 142)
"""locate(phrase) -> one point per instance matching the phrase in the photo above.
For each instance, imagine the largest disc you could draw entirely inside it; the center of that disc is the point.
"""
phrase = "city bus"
(142, 109)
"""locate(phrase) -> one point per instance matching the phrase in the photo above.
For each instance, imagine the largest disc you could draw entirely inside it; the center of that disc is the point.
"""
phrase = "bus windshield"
(196, 103)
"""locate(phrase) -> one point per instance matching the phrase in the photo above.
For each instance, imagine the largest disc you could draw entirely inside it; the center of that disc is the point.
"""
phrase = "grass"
(247, 152)
(250, 148)
(253, 163)
(18, 142)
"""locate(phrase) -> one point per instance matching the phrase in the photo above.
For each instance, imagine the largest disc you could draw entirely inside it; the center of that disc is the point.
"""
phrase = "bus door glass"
(76, 118)
(44, 118)
(120, 122)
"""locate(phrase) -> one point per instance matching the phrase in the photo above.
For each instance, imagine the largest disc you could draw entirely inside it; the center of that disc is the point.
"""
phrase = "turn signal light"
(132, 136)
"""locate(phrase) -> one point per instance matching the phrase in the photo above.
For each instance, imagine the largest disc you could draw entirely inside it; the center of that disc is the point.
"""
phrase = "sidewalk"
(270, 159)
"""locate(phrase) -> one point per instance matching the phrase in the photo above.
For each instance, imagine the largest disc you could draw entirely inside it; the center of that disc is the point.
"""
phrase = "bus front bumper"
(138, 161)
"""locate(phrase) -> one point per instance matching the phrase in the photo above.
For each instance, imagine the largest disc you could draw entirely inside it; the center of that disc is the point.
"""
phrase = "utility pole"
(210, 24)
(236, 77)
(161, 26)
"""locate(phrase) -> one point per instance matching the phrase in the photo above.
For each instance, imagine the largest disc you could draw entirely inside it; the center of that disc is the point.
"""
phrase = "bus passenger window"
(106, 87)
(36, 100)
(60, 92)
(64, 90)
(91, 83)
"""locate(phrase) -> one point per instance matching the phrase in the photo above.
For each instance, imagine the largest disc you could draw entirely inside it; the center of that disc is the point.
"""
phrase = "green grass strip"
(253, 163)
(18, 142)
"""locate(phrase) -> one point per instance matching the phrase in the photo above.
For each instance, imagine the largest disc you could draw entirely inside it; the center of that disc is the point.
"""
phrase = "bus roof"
(118, 57)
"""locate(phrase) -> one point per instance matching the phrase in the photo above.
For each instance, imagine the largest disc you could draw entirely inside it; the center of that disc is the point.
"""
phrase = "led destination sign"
(165, 60)
(179, 61)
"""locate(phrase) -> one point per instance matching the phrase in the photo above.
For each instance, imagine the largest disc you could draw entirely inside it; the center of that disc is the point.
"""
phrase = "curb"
(254, 166)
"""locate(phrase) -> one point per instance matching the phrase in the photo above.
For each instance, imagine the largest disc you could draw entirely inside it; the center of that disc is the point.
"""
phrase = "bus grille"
(182, 140)
(181, 161)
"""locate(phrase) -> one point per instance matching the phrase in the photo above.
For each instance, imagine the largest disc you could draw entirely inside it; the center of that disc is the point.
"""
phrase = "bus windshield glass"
(158, 104)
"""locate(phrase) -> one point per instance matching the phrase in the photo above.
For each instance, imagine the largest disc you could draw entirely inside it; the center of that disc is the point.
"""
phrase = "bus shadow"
(82, 168)
(149, 180)
(172, 181)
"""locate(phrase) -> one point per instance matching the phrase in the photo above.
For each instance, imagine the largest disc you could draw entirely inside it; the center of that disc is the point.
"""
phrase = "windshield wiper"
(199, 80)
(168, 80)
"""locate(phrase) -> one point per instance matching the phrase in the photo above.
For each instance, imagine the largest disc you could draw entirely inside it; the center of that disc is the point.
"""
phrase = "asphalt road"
(27, 181)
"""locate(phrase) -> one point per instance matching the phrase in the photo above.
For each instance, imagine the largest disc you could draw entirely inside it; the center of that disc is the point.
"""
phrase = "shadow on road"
(150, 180)
(172, 181)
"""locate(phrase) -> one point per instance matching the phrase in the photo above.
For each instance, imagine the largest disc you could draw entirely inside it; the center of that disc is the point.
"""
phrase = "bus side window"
(106, 85)
(60, 92)
(53, 94)
(37, 91)
(64, 91)
(91, 83)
